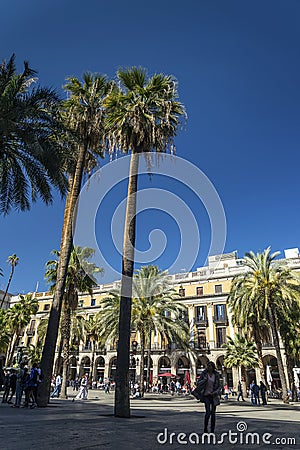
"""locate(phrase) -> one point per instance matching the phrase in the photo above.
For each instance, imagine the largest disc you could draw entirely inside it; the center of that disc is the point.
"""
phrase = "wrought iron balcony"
(221, 320)
(201, 321)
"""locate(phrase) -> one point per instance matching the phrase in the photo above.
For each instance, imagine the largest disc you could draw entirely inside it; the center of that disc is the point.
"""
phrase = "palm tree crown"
(143, 113)
(31, 157)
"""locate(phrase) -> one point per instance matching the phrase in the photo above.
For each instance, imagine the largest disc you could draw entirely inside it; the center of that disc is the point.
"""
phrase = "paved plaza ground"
(84, 425)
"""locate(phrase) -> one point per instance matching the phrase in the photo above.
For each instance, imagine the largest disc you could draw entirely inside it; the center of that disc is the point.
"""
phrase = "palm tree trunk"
(260, 360)
(65, 252)
(142, 363)
(11, 349)
(122, 398)
(92, 361)
(149, 362)
(65, 331)
(290, 366)
(8, 284)
(243, 381)
(272, 319)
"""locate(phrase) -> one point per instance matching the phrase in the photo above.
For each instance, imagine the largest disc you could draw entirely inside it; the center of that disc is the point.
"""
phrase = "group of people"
(19, 381)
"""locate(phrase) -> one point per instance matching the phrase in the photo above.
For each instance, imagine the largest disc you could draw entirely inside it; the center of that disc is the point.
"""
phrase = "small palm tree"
(155, 309)
(142, 116)
(4, 331)
(31, 159)
(263, 290)
(19, 317)
(242, 354)
(80, 278)
(13, 260)
(84, 117)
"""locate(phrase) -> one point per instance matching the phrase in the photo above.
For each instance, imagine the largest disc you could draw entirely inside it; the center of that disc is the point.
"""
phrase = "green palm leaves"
(142, 113)
(266, 290)
(155, 308)
(240, 352)
(30, 153)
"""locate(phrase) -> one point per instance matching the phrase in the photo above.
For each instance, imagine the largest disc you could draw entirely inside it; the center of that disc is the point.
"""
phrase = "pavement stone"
(90, 425)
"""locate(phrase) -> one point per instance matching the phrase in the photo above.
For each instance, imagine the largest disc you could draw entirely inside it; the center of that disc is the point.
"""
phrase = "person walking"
(240, 392)
(83, 391)
(263, 390)
(19, 386)
(58, 381)
(210, 386)
(254, 393)
(6, 385)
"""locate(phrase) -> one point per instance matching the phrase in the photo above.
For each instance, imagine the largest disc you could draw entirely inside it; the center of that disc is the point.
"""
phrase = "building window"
(199, 291)
(80, 303)
(201, 340)
(200, 313)
(221, 337)
(93, 302)
(220, 312)
(182, 292)
(218, 289)
(47, 307)
(32, 325)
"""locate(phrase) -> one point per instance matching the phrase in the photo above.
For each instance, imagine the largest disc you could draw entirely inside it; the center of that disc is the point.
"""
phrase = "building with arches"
(204, 292)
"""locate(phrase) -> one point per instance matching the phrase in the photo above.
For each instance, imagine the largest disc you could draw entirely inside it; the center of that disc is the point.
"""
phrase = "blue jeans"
(210, 412)
(19, 393)
(56, 391)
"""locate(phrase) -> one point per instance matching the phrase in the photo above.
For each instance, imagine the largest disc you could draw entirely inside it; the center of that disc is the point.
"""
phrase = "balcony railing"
(221, 319)
(219, 344)
(74, 352)
(201, 321)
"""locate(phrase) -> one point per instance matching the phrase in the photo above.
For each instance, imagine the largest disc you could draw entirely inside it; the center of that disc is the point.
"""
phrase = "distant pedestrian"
(6, 385)
(83, 391)
(263, 390)
(57, 389)
(254, 393)
(209, 384)
(240, 392)
(12, 385)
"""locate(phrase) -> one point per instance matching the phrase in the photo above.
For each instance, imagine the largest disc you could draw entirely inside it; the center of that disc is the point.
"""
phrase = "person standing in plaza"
(58, 381)
(210, 386)
(83, 391)
(263, 390)
(240, 392)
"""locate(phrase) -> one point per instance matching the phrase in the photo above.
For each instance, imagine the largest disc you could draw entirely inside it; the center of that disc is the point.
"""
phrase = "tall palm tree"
(242, 354)
(142, 116)
(244, 316)
(84, 114)
(263, 290)
(19, 317)
(13, 260)
(80, 278)
(31, 157)
(152, 297)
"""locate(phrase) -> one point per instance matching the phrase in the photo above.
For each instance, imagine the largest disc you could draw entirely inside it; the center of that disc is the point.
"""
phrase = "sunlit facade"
(204, 292)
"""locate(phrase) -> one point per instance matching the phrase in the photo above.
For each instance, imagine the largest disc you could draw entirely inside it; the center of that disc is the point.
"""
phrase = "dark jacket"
(203, 380)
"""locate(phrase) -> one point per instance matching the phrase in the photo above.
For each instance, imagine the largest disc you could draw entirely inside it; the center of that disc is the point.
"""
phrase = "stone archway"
(183, 366)
(164, 364)
(271, 371)
(99, 369)
(85, 366)
(226, 373)
(112, 368)
(201, 364)
(72, 368)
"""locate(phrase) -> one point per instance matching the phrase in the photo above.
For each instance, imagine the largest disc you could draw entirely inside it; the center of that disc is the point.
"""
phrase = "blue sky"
(237, 64)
